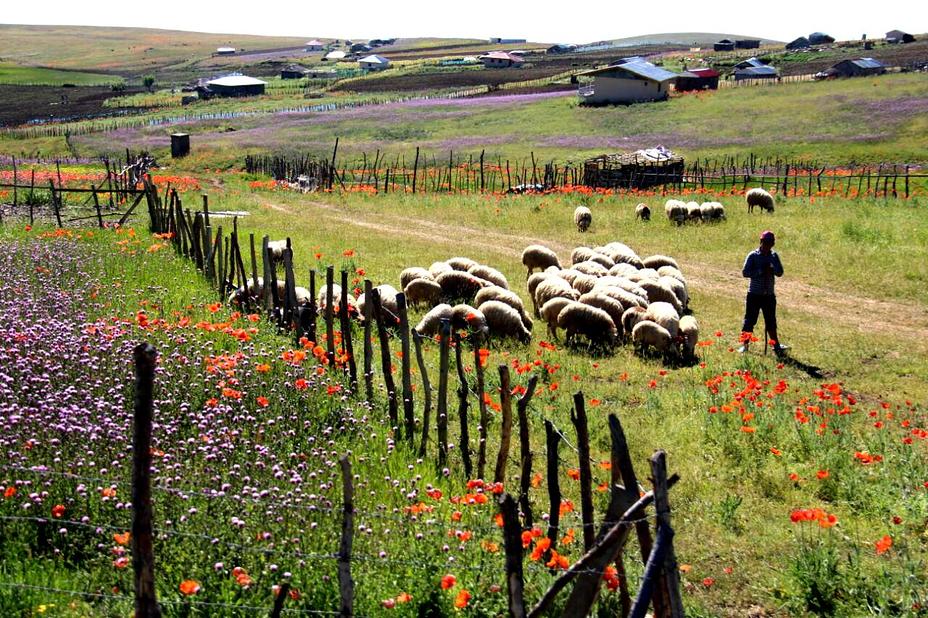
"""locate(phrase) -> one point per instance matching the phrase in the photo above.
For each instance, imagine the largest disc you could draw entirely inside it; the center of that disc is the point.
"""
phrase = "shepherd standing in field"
(762, 266)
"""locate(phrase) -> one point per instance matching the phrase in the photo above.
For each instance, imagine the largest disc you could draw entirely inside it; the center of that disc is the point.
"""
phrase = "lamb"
(660, 292)
(504, 296)
(458, 285)
(551, 310)
(647, 334)
(539, 256)
(413, 273)
(607, 304)
(759, 197)
(656, 261)
(504, 321)
(676, 211)
(422, 291)
(664, 314)
(465, 317)
(437, 268)
(430, 323)
(689, 333)
(642, 212)
(489, 274)
(592, 268)
(461, 263)
(583, 218)
(632, 316)
(595, 324)
(553, 288)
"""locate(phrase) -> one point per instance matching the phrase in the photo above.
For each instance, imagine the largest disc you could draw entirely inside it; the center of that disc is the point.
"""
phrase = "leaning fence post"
(525, 477)
(55, 203)
(143, 555)
(282, 591)
(345, 584)
(481, 402)
(368, 344)
(512, 536)
(671, 577)
(329, 310)
(96, 204)
(505, 400)
(386, 361)
(552, 442)
(578, 417)
(463, 394)
(347, 343)
(406, 366)
(427, 392)
(442, 412)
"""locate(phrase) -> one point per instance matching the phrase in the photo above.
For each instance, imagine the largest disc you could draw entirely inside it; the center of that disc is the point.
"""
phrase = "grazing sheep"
(661, 293)
(437, 268)
(494, 292)
(276, 248)
(626, 299)
(679, 290)
(607, 304)
(465, 317)
(413, 273)
(592, 268)
(539, 256)
(759, 197)
(255, 291)
(632, 316)
(601, 256)
(656, 261)
(461, 263)
(584, 283)
(623, 254)
(670, 271)
(583, 218)
(489, 274)
(569, 275)
(642, 212)
(388, 298)
(647, 334)
(693, 211)
(676, 211)
(551, 310)
(622, 269)
(504, 321)
(422, 291)
(321, 298)
(594, 324)
(430, 323)
(552, 288)
(532, 284)
(581, 254)
(689, 333)
(644, 274)
(458, 285)
(664, 314)
(718, 211)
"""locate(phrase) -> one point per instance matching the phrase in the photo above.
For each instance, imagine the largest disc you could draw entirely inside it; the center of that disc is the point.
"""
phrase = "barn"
(857, 67)
(374, 63)
(630, 82)
(724, 45)
(236, 86)
(800, 43)
(898, 36)
(820, 38)
(501, 60)
(747, 43)
(697, 79)
(292, 71)
(761, 72)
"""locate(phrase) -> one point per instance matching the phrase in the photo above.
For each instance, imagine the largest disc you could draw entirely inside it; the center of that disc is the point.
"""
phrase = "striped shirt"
(755, 268)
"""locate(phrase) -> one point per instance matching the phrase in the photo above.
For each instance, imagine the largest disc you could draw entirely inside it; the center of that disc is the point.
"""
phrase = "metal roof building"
(236, 86)
(761, 72)
(898, 36)
(697, 79)
(630, 82)
(800, 43)
(857, 67)
(750, 63)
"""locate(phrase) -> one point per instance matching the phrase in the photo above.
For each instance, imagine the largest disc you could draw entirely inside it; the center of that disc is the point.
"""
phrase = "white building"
(629, 82)
(374, 63)
(334, 56)
(314, 45)
(225, 51)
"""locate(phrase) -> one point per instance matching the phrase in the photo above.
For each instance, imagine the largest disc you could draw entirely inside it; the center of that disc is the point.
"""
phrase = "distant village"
(631, 79)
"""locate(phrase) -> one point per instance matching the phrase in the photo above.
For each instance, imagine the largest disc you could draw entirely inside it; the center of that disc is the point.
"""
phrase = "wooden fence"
(221, 260)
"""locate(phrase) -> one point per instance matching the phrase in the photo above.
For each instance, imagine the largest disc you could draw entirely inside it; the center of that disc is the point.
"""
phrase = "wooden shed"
(633, 170)
(697, 79)
(747, 43)
(857, 67)
(292, 71)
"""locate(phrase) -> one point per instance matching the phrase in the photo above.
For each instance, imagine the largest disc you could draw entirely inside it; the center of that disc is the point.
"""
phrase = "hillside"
(696, 39)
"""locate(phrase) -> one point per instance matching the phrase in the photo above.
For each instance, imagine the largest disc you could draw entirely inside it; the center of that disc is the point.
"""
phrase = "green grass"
(37, 76)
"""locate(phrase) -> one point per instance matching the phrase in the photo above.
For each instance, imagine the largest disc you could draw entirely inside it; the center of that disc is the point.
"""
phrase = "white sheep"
(465, 317)
(647, 334)
(607, 304)
(459, 285)
(679, 290)
(676, 211)
(539, 256)
(760, 198)
(569, 274)
(430, 323)
(550, 310)
(622, 269)
(656, 261)
(490, 274)
(632, 316)
(533, 281)
(276, 250)
(412, 273)
(689, 334)
(583, 218)
(461, 263)
(422, 291)
(693, 211)
(494, 292)
(255, 291)
(438, 268)
(584, 283)
(661, 292)
(622, 253)
(642, 212)
(592, 268)
(664, 314)
(553, 288)
(594, 324)
(322, 299)
(504, 321)
(670, 271)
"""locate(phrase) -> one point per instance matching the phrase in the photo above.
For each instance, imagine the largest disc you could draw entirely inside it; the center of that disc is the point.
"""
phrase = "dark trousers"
(754, 304)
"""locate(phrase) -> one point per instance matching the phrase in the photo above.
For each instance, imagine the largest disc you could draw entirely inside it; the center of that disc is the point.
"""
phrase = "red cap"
(767, 236)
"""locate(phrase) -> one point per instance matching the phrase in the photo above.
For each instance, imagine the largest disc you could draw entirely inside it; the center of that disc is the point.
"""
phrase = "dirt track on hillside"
(865, 314)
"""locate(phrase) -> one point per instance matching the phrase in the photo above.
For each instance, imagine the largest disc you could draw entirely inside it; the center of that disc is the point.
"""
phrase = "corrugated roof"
(704, 72)
(639, 68)
(867, 63)
(374, 59)
(751, 62)
(499, 55)
(236, 80)
(762, 71)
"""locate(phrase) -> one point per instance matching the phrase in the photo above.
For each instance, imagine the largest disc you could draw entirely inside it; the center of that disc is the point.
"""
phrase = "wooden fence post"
(525, 452)
(96, 204)
(505, 438)
(345, 584)
(329, 310)
(671, 576)
(512, 536)
(463, 394)
(282, 591)
(482, 404)
(578, 417)
(442, 412)
(368, 344)
(347, 343)
(55, 202)
(406, 367)
(143, 555)
(427, 392)
(552, 442)
(385, 359)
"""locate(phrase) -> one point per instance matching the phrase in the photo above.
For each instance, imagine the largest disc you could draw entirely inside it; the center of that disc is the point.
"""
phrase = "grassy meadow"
(804, 481)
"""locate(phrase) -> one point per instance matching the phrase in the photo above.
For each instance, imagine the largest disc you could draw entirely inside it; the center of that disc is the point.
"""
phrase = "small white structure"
(501, 60)
(630, 82)
(374, 63)
(334, 56)
(313, 45)
(225, 51)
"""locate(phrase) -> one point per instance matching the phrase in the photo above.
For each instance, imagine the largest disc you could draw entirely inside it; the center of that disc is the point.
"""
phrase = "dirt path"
(862, 313)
